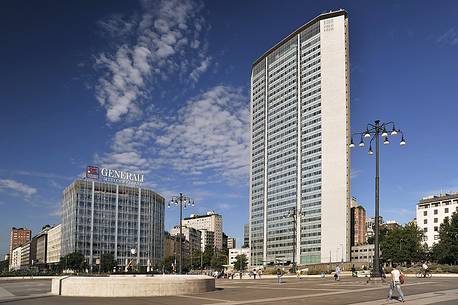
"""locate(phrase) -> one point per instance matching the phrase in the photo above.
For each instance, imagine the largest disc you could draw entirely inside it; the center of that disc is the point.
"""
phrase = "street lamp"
(294, 214)
(182, 201)
(374, 131)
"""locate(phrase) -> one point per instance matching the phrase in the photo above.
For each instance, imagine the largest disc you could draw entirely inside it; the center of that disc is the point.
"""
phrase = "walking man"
(396, 276)
(338, 270)
(279, 274)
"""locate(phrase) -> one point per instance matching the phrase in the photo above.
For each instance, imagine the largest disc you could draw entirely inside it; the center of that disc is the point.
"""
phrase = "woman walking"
(397, 278)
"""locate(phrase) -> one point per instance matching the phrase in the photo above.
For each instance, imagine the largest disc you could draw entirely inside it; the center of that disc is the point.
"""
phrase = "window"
(436, 229)
(446, 210)
(435, 212)
(436, 237)
(436, 220)
(425, 230)
(425, 213)
(425, 221)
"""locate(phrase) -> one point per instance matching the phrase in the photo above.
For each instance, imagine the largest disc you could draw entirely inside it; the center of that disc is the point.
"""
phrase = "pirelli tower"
(300, 131)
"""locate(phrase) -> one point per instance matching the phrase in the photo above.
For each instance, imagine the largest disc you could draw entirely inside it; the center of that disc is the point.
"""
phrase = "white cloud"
(225, 206)
(117, 25)
(36, 174)
(450, 37)
(195, 74)
(161, 42)
(18, 187)
(355, 173)
(210, 135)
(211, 132)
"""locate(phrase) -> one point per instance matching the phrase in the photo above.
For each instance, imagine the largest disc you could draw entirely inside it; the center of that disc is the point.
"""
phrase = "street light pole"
(294, 214)
(374, 131)
(181, 200)
(376, 267)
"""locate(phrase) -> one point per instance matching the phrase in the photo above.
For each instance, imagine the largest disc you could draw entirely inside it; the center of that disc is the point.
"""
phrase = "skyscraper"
(300, 131)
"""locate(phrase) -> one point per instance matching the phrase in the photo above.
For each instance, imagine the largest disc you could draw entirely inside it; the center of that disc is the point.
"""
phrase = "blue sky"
(163, 87)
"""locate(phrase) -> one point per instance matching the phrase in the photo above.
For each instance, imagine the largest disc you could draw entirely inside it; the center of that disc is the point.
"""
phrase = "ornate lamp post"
(374, 131)
(182, 201)
(294, 214)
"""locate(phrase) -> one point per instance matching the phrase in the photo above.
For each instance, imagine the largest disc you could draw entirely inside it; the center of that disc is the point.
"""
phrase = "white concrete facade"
(299, 154)
(211, 222)
(54, 244)
(238, 251)
(335, 118)
(231, 243)
(431, 212)
(16, 254)
(192, 235)
(362, 254)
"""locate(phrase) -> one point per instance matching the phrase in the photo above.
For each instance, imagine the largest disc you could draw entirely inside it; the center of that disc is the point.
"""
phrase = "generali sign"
(113, 175)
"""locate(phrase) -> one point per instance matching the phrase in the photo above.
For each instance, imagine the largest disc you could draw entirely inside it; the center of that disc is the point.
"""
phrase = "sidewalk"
(421, 298)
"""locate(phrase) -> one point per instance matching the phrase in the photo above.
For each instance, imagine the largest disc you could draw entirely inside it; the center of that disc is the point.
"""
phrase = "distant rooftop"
(209, 213)
(433, 198)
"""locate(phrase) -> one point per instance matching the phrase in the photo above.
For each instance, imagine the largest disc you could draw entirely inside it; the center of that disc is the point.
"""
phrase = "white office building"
(108, 211)
(363, 254)
(54, 241)
(300, 132)
(234, 252)
(16, 255)
(211, 222)
(431, 212)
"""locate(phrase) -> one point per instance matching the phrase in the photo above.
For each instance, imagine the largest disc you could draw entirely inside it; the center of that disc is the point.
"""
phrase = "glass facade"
(100, 217)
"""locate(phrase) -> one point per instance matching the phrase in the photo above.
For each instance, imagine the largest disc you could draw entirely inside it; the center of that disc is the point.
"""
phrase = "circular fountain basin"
(131, 285)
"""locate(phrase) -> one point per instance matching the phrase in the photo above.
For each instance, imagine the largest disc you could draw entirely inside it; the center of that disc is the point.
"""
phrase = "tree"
(446, 250)
(73, 261)
(107, 262)
(207, 256)
(195, 261)
(241, 262)
(168, 263)
(219, 260)
(4, 266)
(403, 244)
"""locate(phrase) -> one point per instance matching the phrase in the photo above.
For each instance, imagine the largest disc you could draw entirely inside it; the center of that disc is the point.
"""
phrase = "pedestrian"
(397, 278)
(259, 273)
(240, 274)
(254, 273)
(337, 274)
(279, 275)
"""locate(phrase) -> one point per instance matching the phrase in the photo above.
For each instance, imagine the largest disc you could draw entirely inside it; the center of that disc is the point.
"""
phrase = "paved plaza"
(354, 291)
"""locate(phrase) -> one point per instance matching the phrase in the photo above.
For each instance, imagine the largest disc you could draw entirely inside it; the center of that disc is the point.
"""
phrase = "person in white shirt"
(395, 284)
(425, 269)
(338, 271)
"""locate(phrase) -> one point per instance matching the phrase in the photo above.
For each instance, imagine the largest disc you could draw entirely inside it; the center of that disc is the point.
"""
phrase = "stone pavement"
(442, 291)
